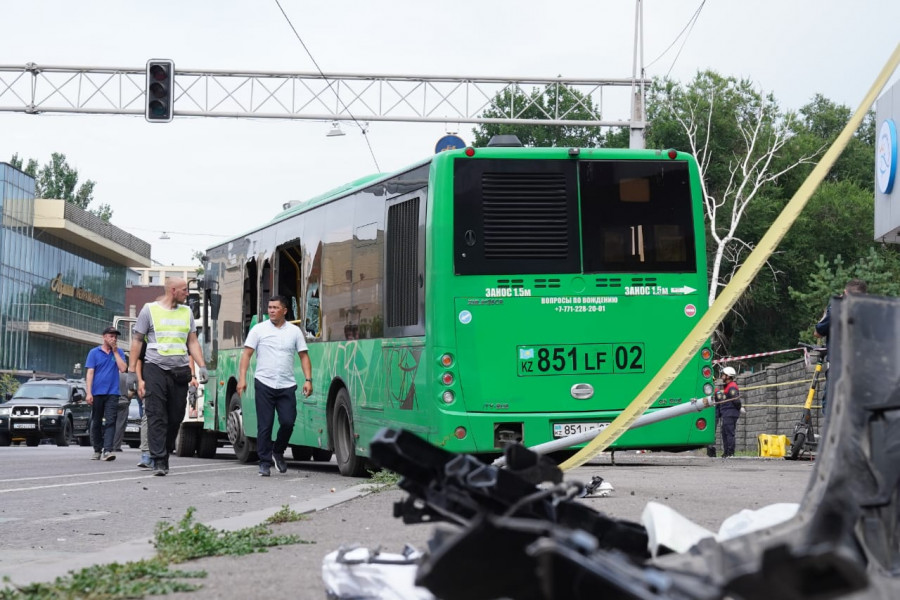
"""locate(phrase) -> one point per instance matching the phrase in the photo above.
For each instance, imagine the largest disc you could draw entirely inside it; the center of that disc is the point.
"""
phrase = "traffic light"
(160, 93)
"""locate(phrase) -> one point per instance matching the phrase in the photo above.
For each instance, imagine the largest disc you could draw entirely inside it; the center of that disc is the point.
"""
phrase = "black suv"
(47, 408)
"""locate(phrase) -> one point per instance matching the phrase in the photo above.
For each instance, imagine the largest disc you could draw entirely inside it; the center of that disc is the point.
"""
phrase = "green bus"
(481, 297)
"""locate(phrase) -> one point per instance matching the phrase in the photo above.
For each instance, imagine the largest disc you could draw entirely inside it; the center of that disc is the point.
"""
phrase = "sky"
(203, 180)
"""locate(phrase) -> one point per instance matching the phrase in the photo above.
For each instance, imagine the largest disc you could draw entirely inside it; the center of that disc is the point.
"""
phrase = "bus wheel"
(348, 462)
(244, 447)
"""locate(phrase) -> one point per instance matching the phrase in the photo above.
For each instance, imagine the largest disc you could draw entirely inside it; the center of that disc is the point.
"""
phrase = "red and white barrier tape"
(728, 359)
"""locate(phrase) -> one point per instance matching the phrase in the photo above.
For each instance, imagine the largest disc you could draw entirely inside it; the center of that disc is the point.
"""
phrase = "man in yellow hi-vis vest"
(171, 334)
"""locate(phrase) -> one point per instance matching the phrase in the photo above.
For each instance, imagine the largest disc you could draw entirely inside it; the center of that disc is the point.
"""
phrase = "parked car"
(53, 409)
(133, 425)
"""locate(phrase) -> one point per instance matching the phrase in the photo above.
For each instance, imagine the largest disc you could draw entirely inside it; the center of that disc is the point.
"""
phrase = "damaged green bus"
(481, 297)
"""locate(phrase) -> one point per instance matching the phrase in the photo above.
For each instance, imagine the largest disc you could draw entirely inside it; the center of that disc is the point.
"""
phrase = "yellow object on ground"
(772, 445)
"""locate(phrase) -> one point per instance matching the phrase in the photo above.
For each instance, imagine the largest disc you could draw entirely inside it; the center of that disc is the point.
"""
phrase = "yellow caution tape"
(745, 405)
(738, 284)
(768, 385)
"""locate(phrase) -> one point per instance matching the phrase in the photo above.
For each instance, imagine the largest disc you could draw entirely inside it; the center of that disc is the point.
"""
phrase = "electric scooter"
(804, 438)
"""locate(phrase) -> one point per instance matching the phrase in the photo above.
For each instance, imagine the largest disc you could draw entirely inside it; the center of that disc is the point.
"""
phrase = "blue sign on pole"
(886, 156)
(449, 142)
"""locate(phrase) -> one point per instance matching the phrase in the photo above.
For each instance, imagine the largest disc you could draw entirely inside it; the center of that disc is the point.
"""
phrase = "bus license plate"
(24, 426)
(567, 429)
(581, 359)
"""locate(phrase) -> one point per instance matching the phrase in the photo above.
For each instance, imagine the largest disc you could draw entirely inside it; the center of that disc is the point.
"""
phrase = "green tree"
(8, 385)
(736, 133)
(57, 179)
(878, 268)
(818, 125)
(555, 101)
(198, 256)
(837, 221)
(714, 117)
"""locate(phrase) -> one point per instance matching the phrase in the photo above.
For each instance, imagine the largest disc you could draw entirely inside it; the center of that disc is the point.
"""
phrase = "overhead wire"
(689, 26)
(192, 233)
(328, 83)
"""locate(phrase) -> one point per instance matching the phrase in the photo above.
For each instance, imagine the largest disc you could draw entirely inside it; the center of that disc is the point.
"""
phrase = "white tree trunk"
(748, 174)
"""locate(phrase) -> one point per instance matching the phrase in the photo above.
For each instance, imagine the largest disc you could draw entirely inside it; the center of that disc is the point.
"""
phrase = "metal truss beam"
(36, 89)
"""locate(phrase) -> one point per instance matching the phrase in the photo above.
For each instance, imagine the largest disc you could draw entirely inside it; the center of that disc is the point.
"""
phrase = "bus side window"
(287, 277)
(313, 314)
(312, 322)
(248, 302)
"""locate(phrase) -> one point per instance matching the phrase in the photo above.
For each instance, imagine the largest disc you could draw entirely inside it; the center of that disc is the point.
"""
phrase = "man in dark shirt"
(728, 410)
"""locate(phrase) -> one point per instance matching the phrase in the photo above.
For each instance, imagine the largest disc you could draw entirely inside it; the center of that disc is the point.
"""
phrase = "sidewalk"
(355, 515)
(296, 571)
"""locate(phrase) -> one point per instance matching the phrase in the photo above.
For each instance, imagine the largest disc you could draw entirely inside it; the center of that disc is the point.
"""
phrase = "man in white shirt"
(274, 384)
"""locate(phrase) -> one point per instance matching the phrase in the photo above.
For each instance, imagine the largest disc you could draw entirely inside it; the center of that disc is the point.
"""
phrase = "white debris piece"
(748, 520)
(356, 572)
(667, 530)
(601, 491)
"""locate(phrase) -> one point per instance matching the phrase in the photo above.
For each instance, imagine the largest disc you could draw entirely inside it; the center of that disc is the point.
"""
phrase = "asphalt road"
(61, 511)
(56, 503)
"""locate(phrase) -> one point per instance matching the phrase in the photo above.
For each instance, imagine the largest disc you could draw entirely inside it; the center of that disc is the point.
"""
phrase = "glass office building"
(62, 278)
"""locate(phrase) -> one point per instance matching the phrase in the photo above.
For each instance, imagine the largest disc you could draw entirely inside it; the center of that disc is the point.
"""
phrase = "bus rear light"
(448, 397)
(701, 424)
(706, 371)
(446, 360)
(470, 151)
(706, 354)
(460, 433)
(672, 153)
(447, 378)
(708, 389)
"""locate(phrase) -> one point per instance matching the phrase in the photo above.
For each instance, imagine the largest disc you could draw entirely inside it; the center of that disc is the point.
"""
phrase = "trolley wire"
(689, 26)
(364, 130)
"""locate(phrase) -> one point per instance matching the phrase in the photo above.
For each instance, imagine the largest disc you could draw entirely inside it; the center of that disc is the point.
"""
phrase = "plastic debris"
(356, 573)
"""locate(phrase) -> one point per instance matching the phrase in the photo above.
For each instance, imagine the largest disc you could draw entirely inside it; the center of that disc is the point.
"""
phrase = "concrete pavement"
(705, 490)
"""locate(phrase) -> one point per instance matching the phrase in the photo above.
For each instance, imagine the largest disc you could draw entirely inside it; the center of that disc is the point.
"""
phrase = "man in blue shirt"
(104, 363)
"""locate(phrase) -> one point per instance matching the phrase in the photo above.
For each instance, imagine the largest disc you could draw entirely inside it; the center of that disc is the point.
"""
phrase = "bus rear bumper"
(491, 432)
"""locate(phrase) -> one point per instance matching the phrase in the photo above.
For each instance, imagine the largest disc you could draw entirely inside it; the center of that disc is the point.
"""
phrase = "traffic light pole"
(37, 89)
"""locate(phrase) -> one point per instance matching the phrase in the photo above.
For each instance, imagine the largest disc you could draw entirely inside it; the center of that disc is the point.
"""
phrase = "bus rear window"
(636, 216)
(516, 217)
